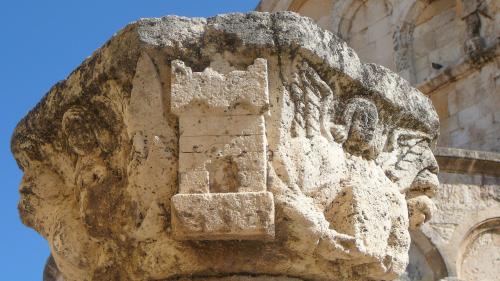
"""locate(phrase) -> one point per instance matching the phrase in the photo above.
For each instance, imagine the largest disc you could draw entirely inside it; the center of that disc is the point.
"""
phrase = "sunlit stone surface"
(241, 147)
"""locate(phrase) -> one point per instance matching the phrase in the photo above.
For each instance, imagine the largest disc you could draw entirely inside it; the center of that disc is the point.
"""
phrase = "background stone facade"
(449, 50)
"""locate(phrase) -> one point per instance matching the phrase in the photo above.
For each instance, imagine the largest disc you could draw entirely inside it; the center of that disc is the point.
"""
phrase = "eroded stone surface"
(222, 145)
(449, 50)
(330, 156)
(223, 216)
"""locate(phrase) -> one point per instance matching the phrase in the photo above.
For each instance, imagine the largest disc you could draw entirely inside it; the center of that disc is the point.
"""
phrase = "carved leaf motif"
(313, 102)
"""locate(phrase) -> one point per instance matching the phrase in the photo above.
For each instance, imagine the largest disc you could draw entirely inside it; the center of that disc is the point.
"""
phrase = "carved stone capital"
(242, 147)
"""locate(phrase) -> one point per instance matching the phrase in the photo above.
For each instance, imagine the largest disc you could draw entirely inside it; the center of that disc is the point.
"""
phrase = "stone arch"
(419, 42)
(341, 12)
(319, 10)
(479, 253)
(402, 39)
(426, 262)
(344, 18)
(296, 5)
(366, 26)
(472, 221)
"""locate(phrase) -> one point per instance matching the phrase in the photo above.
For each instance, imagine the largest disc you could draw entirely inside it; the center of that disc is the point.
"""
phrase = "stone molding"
(465, 161)
(459, 70)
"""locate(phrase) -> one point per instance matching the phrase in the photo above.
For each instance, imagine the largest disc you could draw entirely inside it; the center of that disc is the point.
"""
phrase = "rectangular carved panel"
(222, 154)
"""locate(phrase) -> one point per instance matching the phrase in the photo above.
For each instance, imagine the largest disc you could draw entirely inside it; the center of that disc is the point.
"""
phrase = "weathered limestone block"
(241, 147)
(222, 136)
(237, 93)
(244, 215)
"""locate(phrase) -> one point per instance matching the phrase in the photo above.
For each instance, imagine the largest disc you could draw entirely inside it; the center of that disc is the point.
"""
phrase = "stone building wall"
(469, 110)
(240, 147)
(449, 50)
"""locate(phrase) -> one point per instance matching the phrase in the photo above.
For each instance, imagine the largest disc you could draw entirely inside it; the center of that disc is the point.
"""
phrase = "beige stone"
(221, 121)
(255, 146)
(239, 125)
(237, 93)
(223, 216)
(232, 145)
(194, 182)
(461, 39)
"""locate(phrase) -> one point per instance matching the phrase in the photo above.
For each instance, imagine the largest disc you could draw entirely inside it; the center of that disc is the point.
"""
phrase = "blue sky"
(41, 42)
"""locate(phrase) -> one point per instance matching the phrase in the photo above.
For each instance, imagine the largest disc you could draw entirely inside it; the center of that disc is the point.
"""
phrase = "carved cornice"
(455, 160)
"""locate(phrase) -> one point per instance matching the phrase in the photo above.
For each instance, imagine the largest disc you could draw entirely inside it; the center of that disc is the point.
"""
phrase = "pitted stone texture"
(334, 146)
(222, 137)
(235, 125)
(236, 93)
(223, 216)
